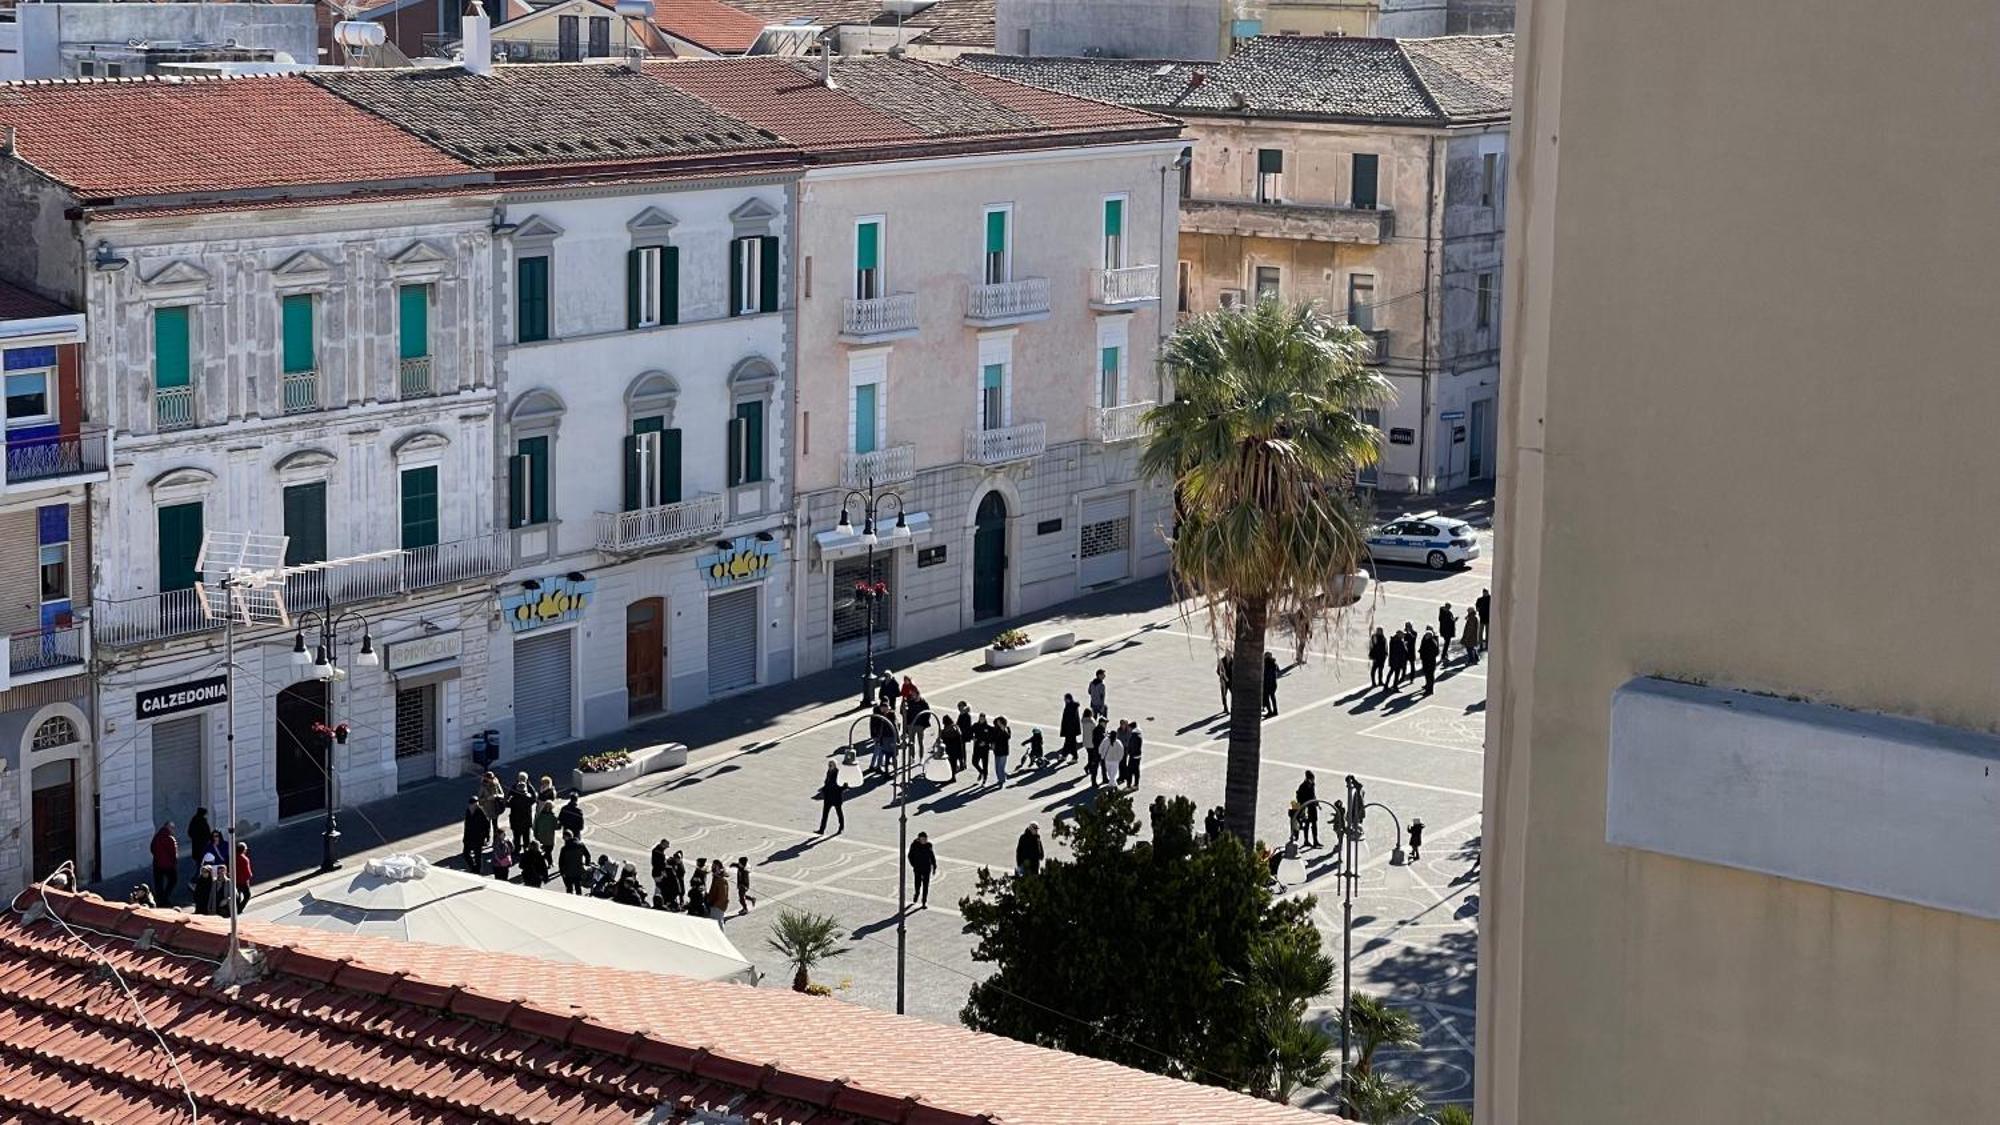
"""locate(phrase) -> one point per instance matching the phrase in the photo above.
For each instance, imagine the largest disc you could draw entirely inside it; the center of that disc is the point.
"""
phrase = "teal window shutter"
(180, 545)
(670, 466)
(532, 301)
(420, 508)
(534, 454)
(170, 347)
(670, 285)
(298, 317)
(864, 418)
(413, 316)
(1108, 388)
(632, 289)
(1270, 160)
(752, 414)
(1114, 217)
(992, 396)
(868, 246)
(305, 523)
(767, 297)
(517, 491)
(736, 443)
(631, 472)
(996, 232)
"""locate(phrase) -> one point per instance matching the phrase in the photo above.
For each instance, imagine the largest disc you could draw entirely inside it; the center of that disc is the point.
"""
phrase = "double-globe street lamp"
(936, 771)
(871, 589)
(324, 660)
(1348, 822)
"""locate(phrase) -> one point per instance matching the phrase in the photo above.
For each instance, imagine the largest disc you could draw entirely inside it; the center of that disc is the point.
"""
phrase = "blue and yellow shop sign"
(558, 600)
(748, 559)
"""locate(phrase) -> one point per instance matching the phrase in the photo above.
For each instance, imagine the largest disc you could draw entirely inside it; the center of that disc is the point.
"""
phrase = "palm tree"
(804, 939)
(1378, 1100)
(1262, 443)
(1374, 1025)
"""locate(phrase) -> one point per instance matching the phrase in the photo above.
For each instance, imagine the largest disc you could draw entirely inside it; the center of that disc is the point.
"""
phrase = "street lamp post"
(325, 664)
(935, 770)
(871, 590)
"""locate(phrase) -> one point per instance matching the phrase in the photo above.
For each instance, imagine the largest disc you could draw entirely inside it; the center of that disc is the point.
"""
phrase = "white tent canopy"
(405, 897)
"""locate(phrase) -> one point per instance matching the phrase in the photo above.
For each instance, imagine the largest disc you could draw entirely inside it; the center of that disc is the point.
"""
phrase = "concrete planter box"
(666, 756)
(1038, 643)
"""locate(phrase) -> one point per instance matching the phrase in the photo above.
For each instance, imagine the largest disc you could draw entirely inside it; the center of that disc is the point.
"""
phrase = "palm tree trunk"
(1246, 720)
(800, 980)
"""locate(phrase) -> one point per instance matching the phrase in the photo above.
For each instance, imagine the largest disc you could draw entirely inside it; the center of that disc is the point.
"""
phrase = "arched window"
(55, 732)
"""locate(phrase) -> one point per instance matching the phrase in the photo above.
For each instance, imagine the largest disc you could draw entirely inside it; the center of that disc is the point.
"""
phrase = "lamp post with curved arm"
(849, 773)
(324, 662)
(871, 589)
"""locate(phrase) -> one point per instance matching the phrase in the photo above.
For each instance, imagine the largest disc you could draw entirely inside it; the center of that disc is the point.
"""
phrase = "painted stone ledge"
(1038, 643)
(653, 759)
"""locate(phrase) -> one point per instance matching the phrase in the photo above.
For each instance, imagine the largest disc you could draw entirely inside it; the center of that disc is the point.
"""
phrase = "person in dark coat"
(674, 887)
(659, 858)
(1211, 825)
(831, 794)
(1410, 645)
(964, 738)
(1270, 686)
(574, 864)
(923, 864)
(1399, 659)
(697, 896)
(166, 850)
(1071, 728)
(1095, 766)
(197, 837)
(1307, 793)
(534, 864)
(1484, 605)
(1135, 743)
(982, 745)
(1471, 642)
(478, 828)
(1447, 630)
(1416, 840)
(881, 739)
(887, 690)
(1427, 651)
(521, 811)
(1378, 658)
(1028, 851)
(1225, 668)
(953, 744)
(1034, 745)
(570, 819)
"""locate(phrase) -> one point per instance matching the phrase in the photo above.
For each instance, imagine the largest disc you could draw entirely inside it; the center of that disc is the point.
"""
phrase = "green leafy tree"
(1169, 954)
(805, 939)
(1262, 443)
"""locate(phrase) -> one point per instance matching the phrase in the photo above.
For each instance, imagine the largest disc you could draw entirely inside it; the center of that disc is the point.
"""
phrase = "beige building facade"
(1742, 774)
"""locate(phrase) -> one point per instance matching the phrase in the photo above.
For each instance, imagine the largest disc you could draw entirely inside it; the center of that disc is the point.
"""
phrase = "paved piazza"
(757, 762)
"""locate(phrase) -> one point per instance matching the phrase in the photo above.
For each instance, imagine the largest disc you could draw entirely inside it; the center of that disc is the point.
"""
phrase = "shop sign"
(424, 650)
(1402, 435)
(557, 600)
(748, 559)
(157, 703)
(930, 556)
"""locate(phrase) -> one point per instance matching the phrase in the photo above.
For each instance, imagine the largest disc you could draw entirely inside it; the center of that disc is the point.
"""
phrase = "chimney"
(476, 42)
(7, 142)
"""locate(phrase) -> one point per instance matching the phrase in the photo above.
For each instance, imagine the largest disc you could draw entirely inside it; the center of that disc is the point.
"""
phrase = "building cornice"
(1169, 147)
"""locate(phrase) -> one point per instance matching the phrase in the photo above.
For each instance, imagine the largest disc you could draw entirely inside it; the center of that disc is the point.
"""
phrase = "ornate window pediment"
(753, 217)
(422, 444)
(177, 276)
(536, 229)
(419, 257)
(651, 223)
(306, 265)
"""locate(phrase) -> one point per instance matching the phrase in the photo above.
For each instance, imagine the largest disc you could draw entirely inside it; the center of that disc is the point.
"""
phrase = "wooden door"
(645, 656)
(54, 811)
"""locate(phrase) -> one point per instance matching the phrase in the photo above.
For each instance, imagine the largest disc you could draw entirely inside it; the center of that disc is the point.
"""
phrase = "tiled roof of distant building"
(1399, 81)
(349, 1028)
(967, 23)
(709, 24)
(20, 304)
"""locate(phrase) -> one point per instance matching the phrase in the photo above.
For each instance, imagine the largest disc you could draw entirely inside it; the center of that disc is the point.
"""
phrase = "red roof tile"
(20, 304)
(710, 24)
(584, 1044)
(192, 136)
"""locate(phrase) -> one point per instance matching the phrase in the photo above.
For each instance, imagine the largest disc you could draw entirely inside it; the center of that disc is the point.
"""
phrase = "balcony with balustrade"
(872, 320)
(1022, 442)
(1121, 423)
(56, 461)
(882, 466)
(49, 653)
(300, 391)
(1007, 302)
(413, 377)
(661, 526)
(1378, 340)
(173, 408)
(1119, 289)
(1302, 222)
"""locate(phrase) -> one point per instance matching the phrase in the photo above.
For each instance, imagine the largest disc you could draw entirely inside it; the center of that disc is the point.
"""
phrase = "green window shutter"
(996, 232)
(631, 289)
(670, 466)
(413, 316)
(170, 347)
(305, 523)
(670, 285)
(631, 472)
(298, 317)
(517, 491)
(752, 414)
(180, 545)
(1107, 390)
(1270, 160)
(736, 430)
(420, 508)
(736, 276)
(536, 451)
(532, 302)
(868, 246)
(1114, 217)
(767, 297)
(864, 418)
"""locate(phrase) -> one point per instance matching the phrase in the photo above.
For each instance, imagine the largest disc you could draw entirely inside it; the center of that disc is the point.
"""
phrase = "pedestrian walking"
(923, 864)
(203, 883)
(1293, 830)
(1094, 768)
(658, 856)
(1211, 825)
(698, 887)
(1225, 668)
(1447, 631)
(503, 858)
(521, 811)
(675, 888)
(1399, 660)
(534, 864)
(1113, 753)
(964, 739)
(1271, 674)
(1484, 605)
(1135, 745)
(831, 794)
(882, 739)
(982, 745)
(744, 899)
(1028, 851)
(573, 863)
(1306, 794)
(1410, 646)
(478, 828)
(166, 848)
(1427, 651)
(493, 801)
(1003, 738)
(1378, 658)
(570, 819)
(243, 875)
(1096, 693)
(546, 825)
(1416, 839)
(1070, 730)
(953, 744)
(1474, 637)
(718, 892)
(887, 689)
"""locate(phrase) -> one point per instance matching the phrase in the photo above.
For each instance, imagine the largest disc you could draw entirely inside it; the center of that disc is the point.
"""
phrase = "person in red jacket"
(166, 863)
(242, 874)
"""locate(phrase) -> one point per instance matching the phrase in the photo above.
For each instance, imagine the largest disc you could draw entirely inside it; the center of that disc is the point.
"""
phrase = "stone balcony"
(876, 319)
(1304, 222)
(1022, 442)
(1125, 287)
(663, 525)
(882, 466)
(1007, 302)
(1121, 423)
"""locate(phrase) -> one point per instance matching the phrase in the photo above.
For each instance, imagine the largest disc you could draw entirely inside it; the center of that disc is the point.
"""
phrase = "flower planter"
(665, 756)
(1038, 643)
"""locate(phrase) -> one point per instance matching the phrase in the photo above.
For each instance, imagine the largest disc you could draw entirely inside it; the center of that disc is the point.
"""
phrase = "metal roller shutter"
(542, 691)
(177, 771)
(1105, 540)
(732, 641)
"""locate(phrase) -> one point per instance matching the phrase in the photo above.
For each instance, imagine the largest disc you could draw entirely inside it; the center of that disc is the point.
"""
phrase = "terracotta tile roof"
(710, 24)
(958, 23)
(20, 304)
(344, 1027)
(139, 137)
(1393, 81)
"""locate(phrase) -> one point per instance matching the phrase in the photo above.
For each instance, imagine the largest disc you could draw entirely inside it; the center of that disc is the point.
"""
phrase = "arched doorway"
(989, 558)
(301, 756)
(55, 755)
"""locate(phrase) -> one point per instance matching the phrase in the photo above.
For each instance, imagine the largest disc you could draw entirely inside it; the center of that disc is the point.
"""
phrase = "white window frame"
(1482, 309)
(649, 449)
(431, 459)
(650, 293)
(48, 378)
(1256, 292)
(1112, 332)
(868, 369)
(881, 256)
(994, 348)
(1274, 191)
(750, 273)
(1489, 179)
(1375, 301)
(42, 564)
(1006, 250)
(1124, 245)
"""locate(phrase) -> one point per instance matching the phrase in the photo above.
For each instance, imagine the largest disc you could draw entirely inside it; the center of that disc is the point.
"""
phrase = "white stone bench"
(652, 759)
(1054, 641)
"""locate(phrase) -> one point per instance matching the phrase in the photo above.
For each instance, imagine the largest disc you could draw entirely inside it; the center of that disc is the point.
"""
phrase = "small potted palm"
(805, 939)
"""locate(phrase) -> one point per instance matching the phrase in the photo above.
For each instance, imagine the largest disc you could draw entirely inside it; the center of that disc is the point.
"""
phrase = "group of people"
(1225, 674)
(521, 825)
(215, 879)
(1396, 658)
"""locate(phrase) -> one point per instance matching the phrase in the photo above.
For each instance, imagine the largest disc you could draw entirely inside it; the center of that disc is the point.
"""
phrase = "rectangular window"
(1183, 282)
(868, 260)
(1187, 173)
(1489, 178)
(1484, 297)
(1109, 364)
(867, 400)
(652, 464)
(531, 276)
(1366, 168)
(644, 286)
(600, 37)
(1267, 283)
(746, 443)
(1372, 417)
(180, 545)
(569, 45)
(1361, 301)
(992, 396)
(172, 358)
(305, 523)
(413, 321)
(999, 267)
(753, 275)
(55, 572)
(420, 508)
(850, 613)
(528, 483)
(1270, 175)
(1114, 234)
(301, 349)
(28, 397)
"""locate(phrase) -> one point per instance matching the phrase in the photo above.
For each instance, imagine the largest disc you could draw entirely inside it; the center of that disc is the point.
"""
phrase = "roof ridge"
(1417, 77)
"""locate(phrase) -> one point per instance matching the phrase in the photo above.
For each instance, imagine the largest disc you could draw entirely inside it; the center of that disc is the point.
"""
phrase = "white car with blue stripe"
(1424, 539)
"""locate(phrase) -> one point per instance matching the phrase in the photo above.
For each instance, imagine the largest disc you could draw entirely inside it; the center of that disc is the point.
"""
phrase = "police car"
(1426, 538)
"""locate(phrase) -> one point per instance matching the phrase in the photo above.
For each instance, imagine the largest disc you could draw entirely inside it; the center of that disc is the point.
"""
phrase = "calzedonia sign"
(190, 696)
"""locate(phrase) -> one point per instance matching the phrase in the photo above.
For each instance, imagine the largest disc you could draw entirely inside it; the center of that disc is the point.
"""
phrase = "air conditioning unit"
(1233, 299)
